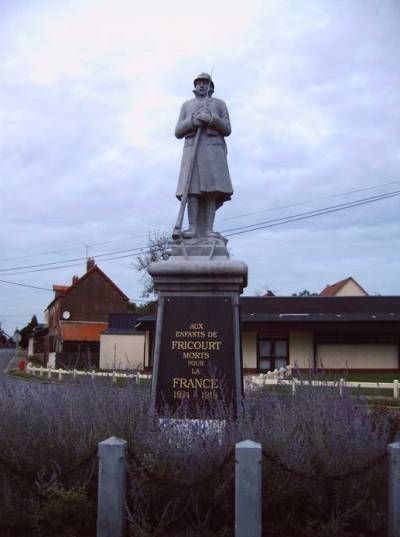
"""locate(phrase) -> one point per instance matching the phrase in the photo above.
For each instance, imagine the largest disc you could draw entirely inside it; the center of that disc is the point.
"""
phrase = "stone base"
(207, 248)
(197, 274)
(197, 353)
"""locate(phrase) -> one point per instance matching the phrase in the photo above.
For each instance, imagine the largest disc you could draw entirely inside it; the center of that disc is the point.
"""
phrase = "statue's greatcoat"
(210, 172)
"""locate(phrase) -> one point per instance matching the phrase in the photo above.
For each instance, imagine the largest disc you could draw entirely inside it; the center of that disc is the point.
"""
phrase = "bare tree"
(157, 249)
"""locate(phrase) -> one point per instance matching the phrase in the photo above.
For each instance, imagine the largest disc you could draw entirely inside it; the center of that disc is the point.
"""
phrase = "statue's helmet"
(204, 76)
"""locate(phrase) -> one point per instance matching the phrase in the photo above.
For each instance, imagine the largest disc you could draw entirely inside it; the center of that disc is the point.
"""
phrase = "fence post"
(248, 489)
(394, 490)
(341, 384)
(49, 372)
(112, 486)
(396, 389)
(293, 387)
(60, 374)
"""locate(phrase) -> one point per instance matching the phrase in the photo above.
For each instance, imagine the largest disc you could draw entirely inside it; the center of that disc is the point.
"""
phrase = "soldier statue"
(204, 167)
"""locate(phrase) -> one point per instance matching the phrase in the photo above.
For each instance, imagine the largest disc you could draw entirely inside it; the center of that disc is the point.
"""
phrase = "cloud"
(90, 96)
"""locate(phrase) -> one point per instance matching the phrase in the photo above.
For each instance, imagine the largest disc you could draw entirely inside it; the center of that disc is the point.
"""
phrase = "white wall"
(357, 356)
(350, 288)
(147, 349)
(51, 360)
(301, 349)
(122, 351)
(31, 346)
(249, 350)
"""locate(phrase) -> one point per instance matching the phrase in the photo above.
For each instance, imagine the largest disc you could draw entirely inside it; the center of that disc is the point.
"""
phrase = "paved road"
(6, 359)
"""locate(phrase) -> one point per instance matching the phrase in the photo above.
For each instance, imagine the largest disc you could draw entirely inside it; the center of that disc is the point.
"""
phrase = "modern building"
(341, 329)
(123, 345)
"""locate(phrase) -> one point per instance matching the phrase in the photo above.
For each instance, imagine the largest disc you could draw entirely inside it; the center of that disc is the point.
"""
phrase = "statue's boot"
(193, 211)
(211, 208)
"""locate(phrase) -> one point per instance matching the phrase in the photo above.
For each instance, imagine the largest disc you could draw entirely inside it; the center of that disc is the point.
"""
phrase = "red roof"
(60, 288)
(71, 331)
(332, 290)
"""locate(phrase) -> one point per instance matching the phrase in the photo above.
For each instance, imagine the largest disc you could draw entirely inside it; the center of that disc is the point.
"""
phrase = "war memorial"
(197, 352)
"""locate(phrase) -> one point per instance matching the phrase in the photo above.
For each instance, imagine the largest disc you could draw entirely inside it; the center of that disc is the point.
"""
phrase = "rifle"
(177, 232)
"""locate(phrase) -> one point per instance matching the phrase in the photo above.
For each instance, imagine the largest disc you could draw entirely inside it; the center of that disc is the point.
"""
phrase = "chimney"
(75, 279)
(90, 263)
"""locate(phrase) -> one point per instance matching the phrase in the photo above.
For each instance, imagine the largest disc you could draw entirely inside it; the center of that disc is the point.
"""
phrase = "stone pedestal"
(197, 353)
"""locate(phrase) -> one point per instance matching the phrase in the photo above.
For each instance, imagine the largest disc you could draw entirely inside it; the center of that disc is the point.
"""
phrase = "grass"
(23, 375)
(387, 376)
(373, 396)
(120, 382)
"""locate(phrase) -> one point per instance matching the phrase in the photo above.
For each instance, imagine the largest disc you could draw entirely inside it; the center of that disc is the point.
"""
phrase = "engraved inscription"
(196, 356)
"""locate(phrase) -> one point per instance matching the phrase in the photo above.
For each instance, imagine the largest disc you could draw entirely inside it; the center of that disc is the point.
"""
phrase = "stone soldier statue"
(208, 175)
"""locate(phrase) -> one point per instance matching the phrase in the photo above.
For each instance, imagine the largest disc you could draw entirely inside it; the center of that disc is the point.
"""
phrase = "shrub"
(324, 466)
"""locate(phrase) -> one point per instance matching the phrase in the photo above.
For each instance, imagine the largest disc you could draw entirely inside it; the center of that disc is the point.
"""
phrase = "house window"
(272, 353)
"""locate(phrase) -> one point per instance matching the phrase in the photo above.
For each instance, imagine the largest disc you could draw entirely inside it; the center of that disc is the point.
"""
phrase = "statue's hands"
(204, 117)
(196, 122)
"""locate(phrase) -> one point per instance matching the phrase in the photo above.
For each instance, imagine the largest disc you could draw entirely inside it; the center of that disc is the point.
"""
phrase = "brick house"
(78, 314)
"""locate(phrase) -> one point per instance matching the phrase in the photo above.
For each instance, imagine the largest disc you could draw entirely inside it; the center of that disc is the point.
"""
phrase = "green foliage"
(26, 331)
(64, 512)
(305, 292)
(147, 308)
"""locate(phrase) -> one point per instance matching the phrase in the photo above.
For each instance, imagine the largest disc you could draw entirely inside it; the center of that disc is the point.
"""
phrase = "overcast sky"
(89, 96)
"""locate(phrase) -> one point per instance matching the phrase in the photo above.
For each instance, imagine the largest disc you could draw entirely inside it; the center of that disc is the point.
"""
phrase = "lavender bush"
(324, 462)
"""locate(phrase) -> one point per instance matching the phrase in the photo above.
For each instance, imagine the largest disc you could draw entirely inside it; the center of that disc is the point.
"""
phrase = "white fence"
(263, 380)
(60, 373)
(255, 381)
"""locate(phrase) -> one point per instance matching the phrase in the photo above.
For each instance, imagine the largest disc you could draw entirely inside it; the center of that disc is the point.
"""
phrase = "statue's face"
(202, 86)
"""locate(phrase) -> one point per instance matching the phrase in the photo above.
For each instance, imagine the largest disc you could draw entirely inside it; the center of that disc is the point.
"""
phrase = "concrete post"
(394, 490)
(112, 488)
(248, 489)
(293, 387)
(60, 374)
(396, 389)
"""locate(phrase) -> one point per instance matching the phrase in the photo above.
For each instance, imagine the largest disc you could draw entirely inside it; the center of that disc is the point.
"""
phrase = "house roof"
(332, 290)
(3, 333)
(65, 289)
(82, 331)
(313, 309)
(318, 308)
(123, 324)
(93, 269)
